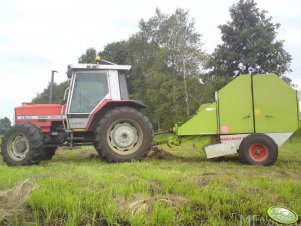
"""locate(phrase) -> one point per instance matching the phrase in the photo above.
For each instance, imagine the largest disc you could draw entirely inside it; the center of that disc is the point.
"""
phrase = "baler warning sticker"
(225, 129)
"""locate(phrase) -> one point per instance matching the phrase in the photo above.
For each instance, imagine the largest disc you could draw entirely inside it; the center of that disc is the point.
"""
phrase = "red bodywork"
(41, 115)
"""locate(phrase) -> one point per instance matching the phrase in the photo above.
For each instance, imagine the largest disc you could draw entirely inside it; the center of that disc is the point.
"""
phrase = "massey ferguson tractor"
(97, 111)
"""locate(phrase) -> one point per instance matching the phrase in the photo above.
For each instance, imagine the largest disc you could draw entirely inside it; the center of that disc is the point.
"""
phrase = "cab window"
(89, 89)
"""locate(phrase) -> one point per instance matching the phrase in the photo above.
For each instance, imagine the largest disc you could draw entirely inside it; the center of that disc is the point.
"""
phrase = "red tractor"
(97, 111)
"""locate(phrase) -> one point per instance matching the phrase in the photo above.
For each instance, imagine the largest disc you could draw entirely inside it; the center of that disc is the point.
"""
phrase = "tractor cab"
(90, 86)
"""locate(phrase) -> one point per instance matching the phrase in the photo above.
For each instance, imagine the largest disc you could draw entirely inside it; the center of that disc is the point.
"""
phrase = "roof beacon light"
(97, 59)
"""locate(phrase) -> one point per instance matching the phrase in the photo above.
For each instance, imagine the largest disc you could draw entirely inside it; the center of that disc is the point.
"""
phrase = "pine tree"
(249, 44)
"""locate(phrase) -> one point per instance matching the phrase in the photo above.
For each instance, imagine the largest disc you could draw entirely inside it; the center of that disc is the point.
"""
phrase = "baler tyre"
(49, 153)
(123, 134)
(23, 144)
(258, 149)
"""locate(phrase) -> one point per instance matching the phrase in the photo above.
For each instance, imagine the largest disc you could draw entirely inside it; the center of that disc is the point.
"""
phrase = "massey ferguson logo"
(37, 117)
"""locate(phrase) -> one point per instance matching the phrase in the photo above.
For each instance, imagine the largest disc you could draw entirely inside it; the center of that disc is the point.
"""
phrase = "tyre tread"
(115, 113)
(256, 137)
(36, 144)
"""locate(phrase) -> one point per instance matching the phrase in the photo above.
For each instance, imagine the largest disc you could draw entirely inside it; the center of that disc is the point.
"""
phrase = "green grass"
(173, 187)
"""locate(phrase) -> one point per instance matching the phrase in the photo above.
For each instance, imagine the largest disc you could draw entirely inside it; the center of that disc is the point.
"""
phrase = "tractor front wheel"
(258, 149)
(123, 134)
(23, 144)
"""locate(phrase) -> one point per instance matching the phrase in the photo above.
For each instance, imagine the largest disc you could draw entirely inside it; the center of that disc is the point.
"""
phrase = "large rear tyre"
(123, 134)
(49, 153)
(258, 149)
(23, 144)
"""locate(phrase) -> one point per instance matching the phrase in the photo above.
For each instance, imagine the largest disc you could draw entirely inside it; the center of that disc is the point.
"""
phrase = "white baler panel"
(279, 138)
(230, 143)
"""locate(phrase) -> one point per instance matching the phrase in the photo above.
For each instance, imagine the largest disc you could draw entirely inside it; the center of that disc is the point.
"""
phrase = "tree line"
(171, 72)
(5, 125)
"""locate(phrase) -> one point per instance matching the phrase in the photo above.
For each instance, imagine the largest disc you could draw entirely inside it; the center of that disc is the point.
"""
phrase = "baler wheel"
(23, 144)
(123, 134)
(258, 149)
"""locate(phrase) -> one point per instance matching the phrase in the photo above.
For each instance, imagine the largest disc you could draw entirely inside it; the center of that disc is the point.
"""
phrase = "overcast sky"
(39, 36)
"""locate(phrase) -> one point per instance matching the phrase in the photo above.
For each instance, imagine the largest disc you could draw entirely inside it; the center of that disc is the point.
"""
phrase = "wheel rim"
(258, 152)
(124, 137)
(18, 147)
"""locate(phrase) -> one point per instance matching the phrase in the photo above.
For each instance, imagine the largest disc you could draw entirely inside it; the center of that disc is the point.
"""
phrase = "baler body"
(250, 104)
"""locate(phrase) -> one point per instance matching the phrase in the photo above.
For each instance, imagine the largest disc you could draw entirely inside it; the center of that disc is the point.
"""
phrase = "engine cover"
(40, 115)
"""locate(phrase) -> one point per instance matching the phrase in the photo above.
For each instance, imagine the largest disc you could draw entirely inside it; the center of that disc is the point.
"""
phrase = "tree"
(57, 94)
(175, 36)
(249, 44)
(166, 58)
(88, 57)
(116, 52)
(5, 124)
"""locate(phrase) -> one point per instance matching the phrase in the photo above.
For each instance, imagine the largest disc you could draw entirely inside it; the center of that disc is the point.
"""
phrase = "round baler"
(253, 116)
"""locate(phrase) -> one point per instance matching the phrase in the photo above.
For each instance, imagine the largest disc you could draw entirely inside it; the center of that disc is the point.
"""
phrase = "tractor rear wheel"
(123, 134)
(49, 153)
(258, 149)
(23, 144)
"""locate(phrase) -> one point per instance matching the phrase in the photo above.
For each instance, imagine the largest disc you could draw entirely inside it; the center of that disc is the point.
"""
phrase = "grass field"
(170, 187)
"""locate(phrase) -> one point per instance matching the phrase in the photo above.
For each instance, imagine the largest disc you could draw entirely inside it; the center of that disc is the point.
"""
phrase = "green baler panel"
(275, 105)
(204, 122)
(271, 107)
(235, 106)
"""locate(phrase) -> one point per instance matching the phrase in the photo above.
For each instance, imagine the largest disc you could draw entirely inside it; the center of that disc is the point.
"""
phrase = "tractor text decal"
(31, 117)
(231, 138)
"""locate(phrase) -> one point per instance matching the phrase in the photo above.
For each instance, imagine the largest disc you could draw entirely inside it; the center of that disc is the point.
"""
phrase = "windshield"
(88, 91)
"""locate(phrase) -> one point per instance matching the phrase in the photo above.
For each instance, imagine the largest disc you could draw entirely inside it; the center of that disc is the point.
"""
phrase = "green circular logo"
(282, 215)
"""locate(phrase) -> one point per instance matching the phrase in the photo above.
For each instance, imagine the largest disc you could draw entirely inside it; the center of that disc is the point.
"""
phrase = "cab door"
(89, 89)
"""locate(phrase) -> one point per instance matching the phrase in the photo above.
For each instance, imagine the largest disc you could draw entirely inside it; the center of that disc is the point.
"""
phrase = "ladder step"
(75, 138)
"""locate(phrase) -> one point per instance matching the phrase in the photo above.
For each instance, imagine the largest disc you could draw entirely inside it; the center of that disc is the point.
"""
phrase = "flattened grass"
(171, 187)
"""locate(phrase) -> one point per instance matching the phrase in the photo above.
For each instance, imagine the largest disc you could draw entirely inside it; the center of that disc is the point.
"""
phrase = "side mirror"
(65, 96)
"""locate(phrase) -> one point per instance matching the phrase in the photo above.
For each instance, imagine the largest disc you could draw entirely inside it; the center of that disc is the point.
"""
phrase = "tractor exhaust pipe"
(51, 85)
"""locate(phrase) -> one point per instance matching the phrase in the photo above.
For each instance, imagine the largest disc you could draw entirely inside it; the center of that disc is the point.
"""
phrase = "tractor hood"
(40, 112)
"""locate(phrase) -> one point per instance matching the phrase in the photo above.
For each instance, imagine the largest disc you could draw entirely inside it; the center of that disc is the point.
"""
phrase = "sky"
(39, 36)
